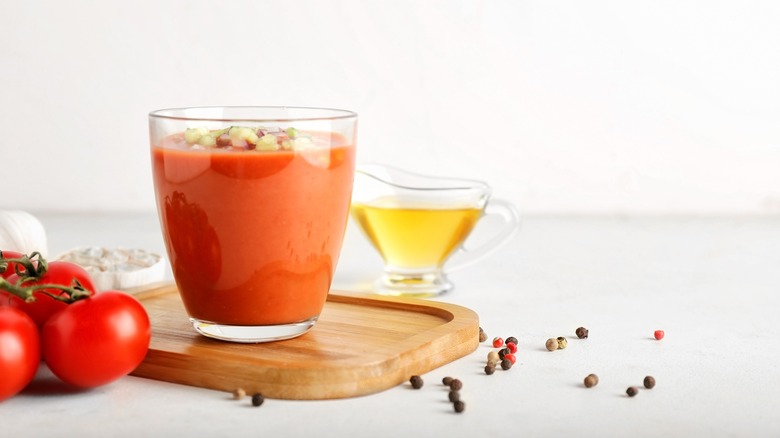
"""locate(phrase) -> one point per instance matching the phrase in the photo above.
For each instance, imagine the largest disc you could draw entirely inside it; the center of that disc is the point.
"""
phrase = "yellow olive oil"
(414, 237)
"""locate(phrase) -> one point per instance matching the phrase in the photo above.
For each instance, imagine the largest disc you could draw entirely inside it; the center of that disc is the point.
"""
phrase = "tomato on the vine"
(58, 272)
(20, 351)
(97, 340)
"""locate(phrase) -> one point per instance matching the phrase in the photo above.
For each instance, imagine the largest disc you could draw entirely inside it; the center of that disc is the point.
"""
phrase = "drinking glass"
(253, 203)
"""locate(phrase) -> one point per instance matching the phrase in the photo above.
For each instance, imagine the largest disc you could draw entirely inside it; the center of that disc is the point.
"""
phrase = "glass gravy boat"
(417, 223)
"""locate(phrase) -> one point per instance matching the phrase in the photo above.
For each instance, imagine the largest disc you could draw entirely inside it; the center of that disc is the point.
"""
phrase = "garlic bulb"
(21, 232)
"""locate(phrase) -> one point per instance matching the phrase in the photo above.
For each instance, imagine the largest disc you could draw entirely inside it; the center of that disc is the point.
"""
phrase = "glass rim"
(168, 114)
(455, 184)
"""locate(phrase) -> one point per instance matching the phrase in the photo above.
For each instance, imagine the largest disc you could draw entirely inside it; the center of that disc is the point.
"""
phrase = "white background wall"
(565, 107)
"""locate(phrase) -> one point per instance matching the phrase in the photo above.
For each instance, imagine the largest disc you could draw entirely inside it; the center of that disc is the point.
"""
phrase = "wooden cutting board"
(361, 344)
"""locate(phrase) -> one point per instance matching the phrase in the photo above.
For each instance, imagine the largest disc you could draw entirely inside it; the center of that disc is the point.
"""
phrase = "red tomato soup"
(253, 237)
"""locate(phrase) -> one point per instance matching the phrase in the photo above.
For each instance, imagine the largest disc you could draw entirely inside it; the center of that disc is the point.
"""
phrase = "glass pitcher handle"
(509, 228)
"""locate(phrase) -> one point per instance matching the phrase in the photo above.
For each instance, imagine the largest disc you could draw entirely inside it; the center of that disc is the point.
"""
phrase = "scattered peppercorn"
(238, 393)
(506, 364)
(459, 406)
(649, 382)
(511, 358)
(257, 399)
(591, 380)
(503, 352)
(454, 396)
(561, 342)
(482, 336)
(416, 381)
(632, 391)
(494, 357)
(497, 342)
(456, 385)
(658, 334)
(581, 332)
(490, 368)
(512, 339)
(446, 381)
(551, 344)
(512, 347)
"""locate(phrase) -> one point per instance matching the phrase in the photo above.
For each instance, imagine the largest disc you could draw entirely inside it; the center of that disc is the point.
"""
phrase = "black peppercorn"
(503, 352)
(649, 382)
(454, 396)
(482, 335)
(591, 380)
(446, 381)
(416, 381)
(581, 332)
(512, 339)
(506, 364)
(490, 369)
(257, 399)
(632, 391)
(456, 385)
(459, 406)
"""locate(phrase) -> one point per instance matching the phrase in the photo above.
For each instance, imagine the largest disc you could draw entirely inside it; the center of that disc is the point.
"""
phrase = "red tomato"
(20, 351)
(97, 340)
(44, 306)
(10, 268)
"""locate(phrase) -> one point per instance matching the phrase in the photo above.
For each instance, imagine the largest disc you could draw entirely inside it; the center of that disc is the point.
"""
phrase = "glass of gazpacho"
(253, 204)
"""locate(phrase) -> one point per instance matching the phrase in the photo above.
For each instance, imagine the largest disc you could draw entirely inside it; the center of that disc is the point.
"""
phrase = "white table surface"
(713, 285)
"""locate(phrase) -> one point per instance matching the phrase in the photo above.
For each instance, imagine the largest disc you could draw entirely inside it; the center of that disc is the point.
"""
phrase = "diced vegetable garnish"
(263, 139)
(268, 142)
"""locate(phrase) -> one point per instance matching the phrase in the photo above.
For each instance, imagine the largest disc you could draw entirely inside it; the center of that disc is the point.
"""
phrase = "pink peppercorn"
(497, 342)
(658, 334)
(512, 347)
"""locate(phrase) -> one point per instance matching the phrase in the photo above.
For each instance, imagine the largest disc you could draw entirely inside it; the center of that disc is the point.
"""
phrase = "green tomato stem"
(26, 293)
(31, 268)
(34, 268)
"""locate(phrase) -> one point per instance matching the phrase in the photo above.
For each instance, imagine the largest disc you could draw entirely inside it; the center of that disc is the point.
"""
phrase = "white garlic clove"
(22, 232)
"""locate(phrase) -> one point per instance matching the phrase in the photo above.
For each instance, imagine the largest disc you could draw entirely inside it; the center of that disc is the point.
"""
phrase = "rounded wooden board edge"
(442, 309)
